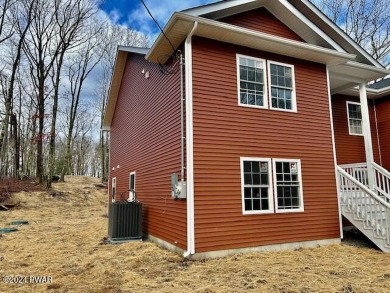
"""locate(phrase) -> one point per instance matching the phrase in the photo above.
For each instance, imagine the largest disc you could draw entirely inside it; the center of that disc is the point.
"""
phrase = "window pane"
(255, 167)
(247, 166)
(247, 193)
(256, 192)
(243, 98)
(248, 204)
(247, 179)
(256, 179)
(256, 205)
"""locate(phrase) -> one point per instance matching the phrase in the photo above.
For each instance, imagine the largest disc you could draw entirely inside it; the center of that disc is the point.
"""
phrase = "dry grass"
(63, 241)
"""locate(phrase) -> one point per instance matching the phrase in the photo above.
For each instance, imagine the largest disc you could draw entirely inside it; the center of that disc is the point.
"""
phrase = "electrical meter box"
(178, 188)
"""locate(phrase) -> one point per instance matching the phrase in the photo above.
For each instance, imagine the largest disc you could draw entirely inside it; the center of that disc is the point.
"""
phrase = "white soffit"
(180, 24)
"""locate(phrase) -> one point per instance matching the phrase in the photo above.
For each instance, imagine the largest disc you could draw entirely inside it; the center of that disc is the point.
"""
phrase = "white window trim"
(113, 185)
(270, 196)
(132, 194)
(301, 209)
(349, 125)
(265, 96)
(293, 93)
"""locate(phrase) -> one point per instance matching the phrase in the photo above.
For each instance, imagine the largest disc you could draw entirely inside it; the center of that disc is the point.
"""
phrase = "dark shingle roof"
(380, 84)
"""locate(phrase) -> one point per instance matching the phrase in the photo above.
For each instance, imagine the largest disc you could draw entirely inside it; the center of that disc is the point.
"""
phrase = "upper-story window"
(282, 86)
(254, 84)
(354, 118)
(251, 82)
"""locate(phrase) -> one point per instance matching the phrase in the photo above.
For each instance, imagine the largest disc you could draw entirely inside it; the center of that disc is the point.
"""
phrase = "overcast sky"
(133, 14)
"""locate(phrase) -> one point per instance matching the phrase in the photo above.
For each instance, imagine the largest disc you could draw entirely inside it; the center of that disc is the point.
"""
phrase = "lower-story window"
(260, 195)
(256, 185)
(288, 185)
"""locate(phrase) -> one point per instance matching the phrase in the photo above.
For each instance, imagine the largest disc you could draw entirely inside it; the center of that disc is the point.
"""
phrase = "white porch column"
(367, 133)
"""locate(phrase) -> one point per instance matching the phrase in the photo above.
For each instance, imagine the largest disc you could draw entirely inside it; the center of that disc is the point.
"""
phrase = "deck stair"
(368, 210)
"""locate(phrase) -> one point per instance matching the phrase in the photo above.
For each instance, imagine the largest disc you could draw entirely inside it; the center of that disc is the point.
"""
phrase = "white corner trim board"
(189, 144)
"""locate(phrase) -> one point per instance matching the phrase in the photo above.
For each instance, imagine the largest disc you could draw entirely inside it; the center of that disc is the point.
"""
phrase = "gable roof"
(380, 85)
(326, 43)
(301, 16)
(119, 68)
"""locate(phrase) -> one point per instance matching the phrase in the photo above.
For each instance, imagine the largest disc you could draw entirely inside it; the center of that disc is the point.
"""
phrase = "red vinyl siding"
(145, 138)
(224, 132)
(383, 122)
(262, 20)
(350, 148)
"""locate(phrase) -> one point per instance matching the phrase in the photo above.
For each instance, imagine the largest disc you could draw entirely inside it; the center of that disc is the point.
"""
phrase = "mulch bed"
(10, 185)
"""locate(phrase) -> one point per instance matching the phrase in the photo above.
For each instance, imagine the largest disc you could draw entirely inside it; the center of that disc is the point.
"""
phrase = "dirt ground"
(63, 241)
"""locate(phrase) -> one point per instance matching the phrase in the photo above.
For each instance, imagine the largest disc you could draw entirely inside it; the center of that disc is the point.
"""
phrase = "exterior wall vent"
(125, 221)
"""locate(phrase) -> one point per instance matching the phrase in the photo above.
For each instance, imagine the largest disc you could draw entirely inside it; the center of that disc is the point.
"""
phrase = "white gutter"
(189, 144)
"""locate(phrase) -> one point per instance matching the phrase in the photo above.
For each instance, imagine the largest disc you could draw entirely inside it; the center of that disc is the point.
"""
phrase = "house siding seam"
(350, 148)
(145, 138)
(262, 20)
(224, 132)
(383, 122)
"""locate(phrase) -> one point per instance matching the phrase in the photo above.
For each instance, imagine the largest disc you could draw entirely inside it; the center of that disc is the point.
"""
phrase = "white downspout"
(367, 133)
(334, 155)
(189, 144)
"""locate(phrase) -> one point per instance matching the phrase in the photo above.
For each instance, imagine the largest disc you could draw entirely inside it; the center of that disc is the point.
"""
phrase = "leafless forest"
(56, 60)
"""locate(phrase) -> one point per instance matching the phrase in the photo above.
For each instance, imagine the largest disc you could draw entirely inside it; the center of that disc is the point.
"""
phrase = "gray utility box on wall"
(125, 221)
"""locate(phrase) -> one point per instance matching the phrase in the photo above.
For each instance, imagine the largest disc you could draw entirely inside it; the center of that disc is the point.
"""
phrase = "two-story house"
(259, 107)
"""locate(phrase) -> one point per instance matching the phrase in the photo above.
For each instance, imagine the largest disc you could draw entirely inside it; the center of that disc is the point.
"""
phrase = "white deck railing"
(381, 182)
(365, 205)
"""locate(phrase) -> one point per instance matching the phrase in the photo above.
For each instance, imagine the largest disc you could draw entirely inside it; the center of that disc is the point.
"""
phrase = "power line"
(147, 9)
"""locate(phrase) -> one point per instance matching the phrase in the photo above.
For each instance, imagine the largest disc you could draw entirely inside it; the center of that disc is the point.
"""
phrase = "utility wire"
(147, 9)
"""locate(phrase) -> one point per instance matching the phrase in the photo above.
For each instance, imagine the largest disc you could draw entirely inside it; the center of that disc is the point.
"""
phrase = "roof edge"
(116, 79)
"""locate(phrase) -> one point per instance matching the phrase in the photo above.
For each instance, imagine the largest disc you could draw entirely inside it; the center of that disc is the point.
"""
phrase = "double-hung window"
(287, 185)
(269, 185)
(251, 82)
(256, 185)
(282, 86)
(354, 118)
(254, 84)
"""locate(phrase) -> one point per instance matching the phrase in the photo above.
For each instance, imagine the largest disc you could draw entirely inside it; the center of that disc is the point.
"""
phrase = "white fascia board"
(311, 25)
(215, 7)
(224, 32)
(136, 50)
(341, 33)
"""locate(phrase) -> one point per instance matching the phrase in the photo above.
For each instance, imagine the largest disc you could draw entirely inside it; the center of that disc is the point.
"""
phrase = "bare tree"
(82, 64)
(365, 21)
(71, 18)
(6, 29)
(41, 48)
